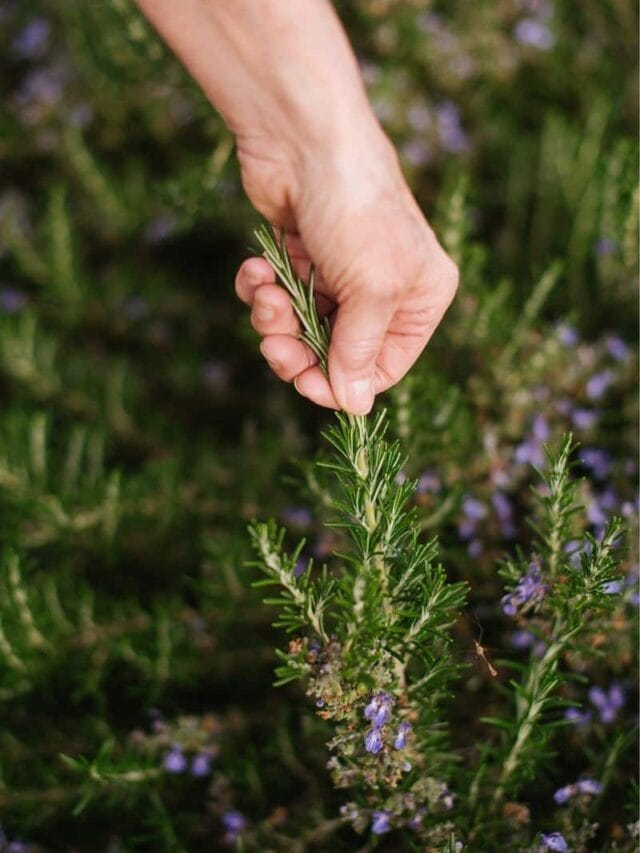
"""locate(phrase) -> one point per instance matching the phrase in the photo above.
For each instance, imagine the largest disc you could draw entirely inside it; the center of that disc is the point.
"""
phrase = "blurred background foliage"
(140, 430)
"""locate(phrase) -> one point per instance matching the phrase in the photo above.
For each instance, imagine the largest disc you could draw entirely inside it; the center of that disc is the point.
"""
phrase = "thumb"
(356, 339)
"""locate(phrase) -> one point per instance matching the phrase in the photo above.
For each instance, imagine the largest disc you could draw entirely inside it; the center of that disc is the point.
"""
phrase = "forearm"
(275, 69)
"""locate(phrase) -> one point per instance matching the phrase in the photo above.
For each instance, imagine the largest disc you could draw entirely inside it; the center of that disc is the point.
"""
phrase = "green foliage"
(139, 435)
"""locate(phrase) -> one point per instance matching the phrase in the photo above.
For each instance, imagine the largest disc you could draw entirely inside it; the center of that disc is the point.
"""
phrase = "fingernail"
(360, 396)
(264, 313)
(273, 363)
(295, 385)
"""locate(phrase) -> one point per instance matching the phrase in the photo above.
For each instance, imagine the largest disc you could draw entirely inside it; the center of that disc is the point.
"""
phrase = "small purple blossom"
(575, 548)
(450, 130)
(529, 452)
(175, 761)
(598, 385)
(616, 347)
(612, 588)
(373, 741)
(533, 33)
(201, 765)
(234, 823)
(400, 740)
(502, 506)
(584, 418)
(12, 300)
(300, 567)
(608, 702)
(554, 841)
(590, 787)
(473, 509)
(577, 717)
(563, 795)
(540, 429)
(31, 42)
(380, 822)
(529, 590)
(466, 528)
(428, 483)
(567, 335)
(296, 516)
(597, 461)
(379, 708)
(475, 548)
(416, 152)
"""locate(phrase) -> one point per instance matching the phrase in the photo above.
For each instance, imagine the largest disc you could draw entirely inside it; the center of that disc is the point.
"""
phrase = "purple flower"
(529, 452)
(296, 516)
(452, 136)
(567, 335)
(599, 384)
(373, 741)
(575, 548)
(428, 484)
(234, 823)
(596, 515)
(577, 717)
(540, 429)
(12, 300)
(607, 702)
(616, 347)
(584, 418)
(201, 765)
(31, 42)
(379, 709)
(474, 509)
(598, 462)
(475, 548)
(612, 588)
(529, 590)
(589, 786)
(380, 822)
(554, 841)
(534, 33)
(300, 567)
(502, 506)
(605, 246)
(416, 152)
(466, 528)
(522, 639)
(563, 795)
(401, 735)
(175, 761)
(504, 511)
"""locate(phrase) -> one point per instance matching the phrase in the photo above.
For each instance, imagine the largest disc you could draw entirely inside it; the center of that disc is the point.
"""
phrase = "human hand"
(382, 278)
(316, 163)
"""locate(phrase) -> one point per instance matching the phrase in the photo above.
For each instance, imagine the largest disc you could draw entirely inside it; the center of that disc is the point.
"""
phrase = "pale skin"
(316, 163)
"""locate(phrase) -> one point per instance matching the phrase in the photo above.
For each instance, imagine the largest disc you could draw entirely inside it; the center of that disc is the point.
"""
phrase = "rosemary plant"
(371, 642)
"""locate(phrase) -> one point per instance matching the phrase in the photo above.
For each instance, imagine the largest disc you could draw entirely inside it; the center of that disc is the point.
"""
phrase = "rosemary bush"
(453, 579)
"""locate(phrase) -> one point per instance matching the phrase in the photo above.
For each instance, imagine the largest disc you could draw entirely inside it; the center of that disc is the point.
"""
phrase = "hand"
(316, 163)
(382, 278)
